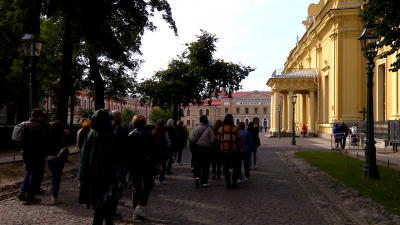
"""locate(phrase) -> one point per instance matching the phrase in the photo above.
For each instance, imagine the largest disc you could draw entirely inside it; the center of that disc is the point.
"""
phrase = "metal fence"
(394, 130)
(380, 128)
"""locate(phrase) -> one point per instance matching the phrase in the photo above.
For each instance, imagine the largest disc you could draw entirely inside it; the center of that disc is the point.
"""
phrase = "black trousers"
(105, 212)
(216, 162)
(143, 185)
(231, 160)
(246, 162)
(202, 158)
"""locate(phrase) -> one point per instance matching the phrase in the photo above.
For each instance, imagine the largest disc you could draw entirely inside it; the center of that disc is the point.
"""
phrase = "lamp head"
(293, 97)
(31, 44)
(369, 41)
(279, 108)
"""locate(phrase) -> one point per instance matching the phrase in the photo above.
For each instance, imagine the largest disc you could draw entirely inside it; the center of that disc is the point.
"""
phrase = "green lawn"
(385, 191)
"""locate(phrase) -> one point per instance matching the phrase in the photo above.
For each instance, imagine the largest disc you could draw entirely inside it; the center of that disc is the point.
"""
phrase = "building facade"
(327, 72)
(245, 106)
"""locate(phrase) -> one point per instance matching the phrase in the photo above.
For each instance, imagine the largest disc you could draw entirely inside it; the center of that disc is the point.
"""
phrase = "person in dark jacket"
(183, 139)
(216, 153)
(33, 151)
(175, 143)
(336, 134)
(101, 175)
(343, 128)
(163, 144)
(56, 165)
(46, 126)
(256, 139)
(81, 136)
(142, 154)
(248, 149)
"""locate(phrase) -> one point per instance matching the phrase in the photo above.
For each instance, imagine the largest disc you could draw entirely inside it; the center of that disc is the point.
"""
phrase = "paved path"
(273, 195)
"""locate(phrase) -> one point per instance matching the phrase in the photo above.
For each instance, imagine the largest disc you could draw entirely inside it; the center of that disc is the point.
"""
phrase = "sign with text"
(253, 103)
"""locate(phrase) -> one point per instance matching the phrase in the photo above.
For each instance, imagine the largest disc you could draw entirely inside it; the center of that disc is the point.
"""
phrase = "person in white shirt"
(353, 130)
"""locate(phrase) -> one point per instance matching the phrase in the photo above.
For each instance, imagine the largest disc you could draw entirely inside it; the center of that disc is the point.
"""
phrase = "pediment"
(253, 95)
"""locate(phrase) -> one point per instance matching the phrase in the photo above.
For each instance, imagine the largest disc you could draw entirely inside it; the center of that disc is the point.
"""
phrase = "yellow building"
(326, 70)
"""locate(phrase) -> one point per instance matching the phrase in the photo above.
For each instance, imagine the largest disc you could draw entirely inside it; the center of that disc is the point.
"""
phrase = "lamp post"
(279, 127)
(369, 44)
(31, 44)
(293, 97)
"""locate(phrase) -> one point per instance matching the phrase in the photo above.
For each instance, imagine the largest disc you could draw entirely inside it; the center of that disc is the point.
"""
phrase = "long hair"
(250, 127)
(57, 128)
(228, 119)
(217, 125)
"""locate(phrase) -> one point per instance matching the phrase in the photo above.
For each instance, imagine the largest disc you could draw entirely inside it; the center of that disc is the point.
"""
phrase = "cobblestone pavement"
(274, 194)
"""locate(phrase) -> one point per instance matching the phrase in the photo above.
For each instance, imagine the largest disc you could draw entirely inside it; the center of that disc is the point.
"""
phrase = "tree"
(193, 78)
(388, 26)
(127, 116)
(158, 113)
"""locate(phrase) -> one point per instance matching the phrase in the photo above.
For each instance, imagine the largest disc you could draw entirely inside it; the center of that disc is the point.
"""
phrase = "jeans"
(105, 212)
(216, 162)
(56, 167)
(163, 165)
(143, 185)
(231, 159)
(33, 167)
(246, 162)
(253, 160)
(202, 165)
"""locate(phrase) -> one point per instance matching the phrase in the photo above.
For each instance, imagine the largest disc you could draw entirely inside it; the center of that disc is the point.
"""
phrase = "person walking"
(253, 130)
(261, 128)
(216, 153)
(142, 156)
(202, 138)
(345, 130)
(175, 143)
(101, 175)
(248, 148)
(304, 130)
(33, 151)
(56, 165)
(46, 125)
(336, 134)
(230, 142)
(353, 130)
(80, 139)
(183, 139)
(163, 144)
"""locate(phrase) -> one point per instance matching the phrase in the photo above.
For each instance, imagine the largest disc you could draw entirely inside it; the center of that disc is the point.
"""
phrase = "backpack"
(18, 134)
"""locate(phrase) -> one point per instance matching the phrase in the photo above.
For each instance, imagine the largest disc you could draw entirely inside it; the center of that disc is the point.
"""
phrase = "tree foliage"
(127, 115)
(158, 113)
(388, 25)
(194, 77)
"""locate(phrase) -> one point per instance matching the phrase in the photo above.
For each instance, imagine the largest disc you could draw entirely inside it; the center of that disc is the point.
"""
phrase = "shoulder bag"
(194, 144)
(63, 153)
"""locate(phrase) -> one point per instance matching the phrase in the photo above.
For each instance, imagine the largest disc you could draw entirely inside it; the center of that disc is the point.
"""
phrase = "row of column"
(287, 110)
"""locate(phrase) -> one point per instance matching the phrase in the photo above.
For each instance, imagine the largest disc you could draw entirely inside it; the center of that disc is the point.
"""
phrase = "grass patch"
(384, 191)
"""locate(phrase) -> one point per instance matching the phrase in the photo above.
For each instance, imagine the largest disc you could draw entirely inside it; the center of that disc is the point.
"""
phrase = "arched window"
(246, 121)
(237, 122)
(201, 112)
(207, 112)
(188, 113)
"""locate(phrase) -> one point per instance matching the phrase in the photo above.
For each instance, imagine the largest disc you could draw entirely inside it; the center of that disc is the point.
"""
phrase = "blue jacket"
(248, 143)
(336, 129)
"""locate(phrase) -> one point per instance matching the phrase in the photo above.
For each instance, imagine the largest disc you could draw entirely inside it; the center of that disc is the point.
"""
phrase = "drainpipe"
(316, 66)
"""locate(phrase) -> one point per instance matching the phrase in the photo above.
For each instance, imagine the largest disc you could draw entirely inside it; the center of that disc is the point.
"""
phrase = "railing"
(380, 128)
(393, 130)
(295, 72)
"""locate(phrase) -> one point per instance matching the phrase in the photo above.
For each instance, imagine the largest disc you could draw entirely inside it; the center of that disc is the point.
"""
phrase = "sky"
(256, 33)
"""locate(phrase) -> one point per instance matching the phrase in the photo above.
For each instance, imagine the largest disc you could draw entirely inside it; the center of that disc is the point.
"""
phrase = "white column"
(312, 110)
(303, 111)
(284, 113)
(272, 113)
(276, 114)
(289, 112)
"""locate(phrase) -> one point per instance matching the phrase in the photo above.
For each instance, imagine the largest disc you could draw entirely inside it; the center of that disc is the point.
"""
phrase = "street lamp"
(369, 43)
(293, 97)
(279, 128)
(31, 44)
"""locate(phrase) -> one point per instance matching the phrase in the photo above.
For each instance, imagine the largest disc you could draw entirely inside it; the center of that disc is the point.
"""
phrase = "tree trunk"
(98, 82)
(65, 74)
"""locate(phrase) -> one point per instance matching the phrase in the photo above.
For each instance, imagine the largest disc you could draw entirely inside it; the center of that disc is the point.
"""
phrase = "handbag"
(63, 153)
(258, 142)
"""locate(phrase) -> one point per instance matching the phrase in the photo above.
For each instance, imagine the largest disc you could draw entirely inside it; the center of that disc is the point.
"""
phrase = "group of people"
(341, 132)
(108, 152)
(225, 145)
(42, 143)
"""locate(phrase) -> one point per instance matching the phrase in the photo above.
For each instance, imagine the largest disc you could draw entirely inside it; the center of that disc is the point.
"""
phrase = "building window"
(118, 107)
(188, 122)
(201, 112)
(246, 110)
(226, 110)
(237, 110)
(91, 104)
(255, 110)
(237, 122)
(207, 112)
(247, 122)
(84, 104)
(265, 110)
(188, 113)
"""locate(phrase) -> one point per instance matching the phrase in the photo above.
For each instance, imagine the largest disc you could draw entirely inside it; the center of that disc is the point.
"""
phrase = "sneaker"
(117, 216)
(21, 196)
(55, 201)
(192, 169)
(197, 181)
(205, 185)
(163, 182)
(140, 211)
(239, 181)
(213, 176)
(235, 186)
(32, 200)
(79, 185)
